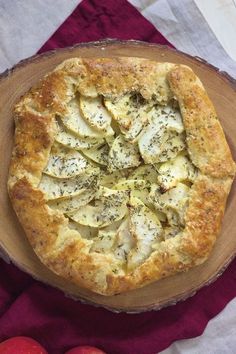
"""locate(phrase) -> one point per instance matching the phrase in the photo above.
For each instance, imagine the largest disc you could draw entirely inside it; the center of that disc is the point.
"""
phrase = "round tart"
(120, 171)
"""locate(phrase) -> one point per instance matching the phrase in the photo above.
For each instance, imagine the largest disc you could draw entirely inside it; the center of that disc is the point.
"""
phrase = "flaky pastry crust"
(62, 249)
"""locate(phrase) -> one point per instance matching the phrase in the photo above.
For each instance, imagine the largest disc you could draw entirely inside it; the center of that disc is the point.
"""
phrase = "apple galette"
(120, 171)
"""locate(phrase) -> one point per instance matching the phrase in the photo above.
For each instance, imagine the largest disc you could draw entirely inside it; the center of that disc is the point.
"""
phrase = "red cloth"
(30, 308)
(97, 19)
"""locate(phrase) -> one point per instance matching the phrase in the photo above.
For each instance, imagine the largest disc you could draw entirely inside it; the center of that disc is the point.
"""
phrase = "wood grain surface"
(221, 89)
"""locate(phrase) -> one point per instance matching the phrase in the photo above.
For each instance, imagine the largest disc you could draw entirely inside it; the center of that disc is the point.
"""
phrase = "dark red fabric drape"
(97, 19)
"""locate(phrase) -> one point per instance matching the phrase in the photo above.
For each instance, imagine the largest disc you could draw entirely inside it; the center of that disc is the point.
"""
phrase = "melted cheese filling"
(120, 172)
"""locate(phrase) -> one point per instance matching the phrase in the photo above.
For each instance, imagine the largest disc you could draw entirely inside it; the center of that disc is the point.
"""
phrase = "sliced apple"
(73, 202)
(143, 195)
(124, 241)
(109, 179)
(174, 198)
(131, 112)
(67, 138)
(146, 230)
(173, 146)
(123, 155)
(110, 140)
(120, 110)
(65, 163)
(108, 195)
(104, 241)
(172, 203)
(130, 184)
(85, 231)
(98, 155)
(162, 137)
(74, 121)
(110, 206)
(176, 170)
(170, 117)
(145, 172)
(96, 114)
(62, 188)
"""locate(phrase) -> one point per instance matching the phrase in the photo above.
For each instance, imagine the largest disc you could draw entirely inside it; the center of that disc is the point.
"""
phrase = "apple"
(21, 345)
(85, 350)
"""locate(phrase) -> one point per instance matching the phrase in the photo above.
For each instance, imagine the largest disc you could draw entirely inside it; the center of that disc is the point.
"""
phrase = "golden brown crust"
(48, 96)
(208, 148)
(63, 250)
(119, 75)
(41, 226)
(204, 215)
(34, 136)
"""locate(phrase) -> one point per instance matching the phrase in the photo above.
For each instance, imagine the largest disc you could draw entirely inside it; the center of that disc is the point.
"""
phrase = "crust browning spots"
(36, 127)
(61, 259)
(208, 148)
(204, 215)
(110, 76)
(41, 227)
(116, 76)
(48, 96)
(33, 140)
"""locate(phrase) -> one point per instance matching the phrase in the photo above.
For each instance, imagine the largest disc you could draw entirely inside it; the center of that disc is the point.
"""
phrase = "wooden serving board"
(221, 89)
